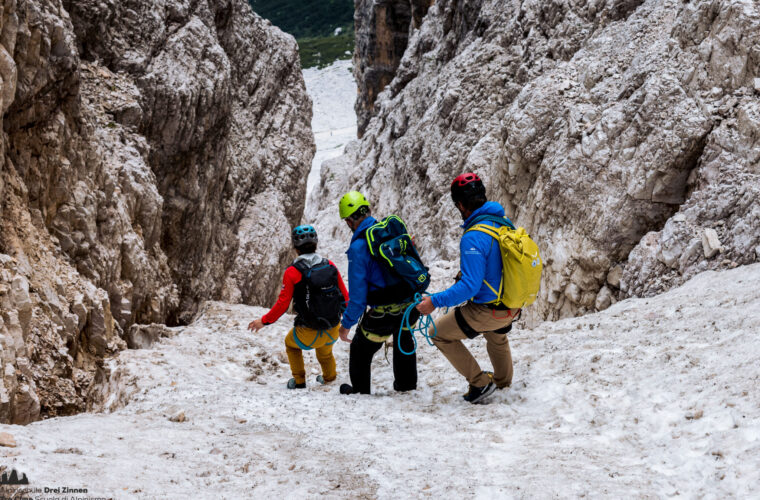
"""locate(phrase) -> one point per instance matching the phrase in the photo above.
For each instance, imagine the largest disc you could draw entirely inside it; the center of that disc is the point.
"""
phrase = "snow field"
(651, 398)
(333, 92)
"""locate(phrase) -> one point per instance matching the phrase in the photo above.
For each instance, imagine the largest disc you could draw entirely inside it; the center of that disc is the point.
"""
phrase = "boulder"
(7, 440)
(604, 299)
(710, 243)
(144, 336)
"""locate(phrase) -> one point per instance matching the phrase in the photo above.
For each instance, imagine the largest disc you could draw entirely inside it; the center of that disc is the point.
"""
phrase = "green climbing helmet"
(351, 202)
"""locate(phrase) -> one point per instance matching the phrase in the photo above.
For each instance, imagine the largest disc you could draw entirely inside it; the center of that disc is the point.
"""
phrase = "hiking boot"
(490, 375)
(292, 384)
(478, 394)
(346, 389)
(321, 380)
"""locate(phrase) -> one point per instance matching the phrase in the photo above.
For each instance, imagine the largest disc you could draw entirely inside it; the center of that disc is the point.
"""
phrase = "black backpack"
(318, 301)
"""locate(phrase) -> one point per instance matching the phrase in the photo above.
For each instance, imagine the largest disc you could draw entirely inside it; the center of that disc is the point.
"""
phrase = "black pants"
(362, 350)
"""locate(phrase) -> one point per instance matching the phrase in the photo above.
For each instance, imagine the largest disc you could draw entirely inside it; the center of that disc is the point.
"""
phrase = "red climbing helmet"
(467, 186)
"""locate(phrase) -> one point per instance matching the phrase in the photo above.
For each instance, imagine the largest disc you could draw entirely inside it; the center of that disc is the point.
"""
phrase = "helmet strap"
(360, 213)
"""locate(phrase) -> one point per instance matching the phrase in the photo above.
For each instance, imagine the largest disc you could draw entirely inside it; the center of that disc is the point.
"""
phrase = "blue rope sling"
(423, 325)
(309, 347)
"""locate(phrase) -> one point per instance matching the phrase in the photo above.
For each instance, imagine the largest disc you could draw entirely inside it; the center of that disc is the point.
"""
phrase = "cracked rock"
(710, 243)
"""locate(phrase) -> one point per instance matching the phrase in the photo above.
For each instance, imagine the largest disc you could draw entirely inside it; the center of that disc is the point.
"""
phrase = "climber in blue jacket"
(370, 284)
(481, 272)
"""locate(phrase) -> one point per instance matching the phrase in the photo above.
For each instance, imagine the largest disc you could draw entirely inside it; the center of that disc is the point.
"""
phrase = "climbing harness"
(373, 337)
(423, 326)
(379, 312)
(316, 337)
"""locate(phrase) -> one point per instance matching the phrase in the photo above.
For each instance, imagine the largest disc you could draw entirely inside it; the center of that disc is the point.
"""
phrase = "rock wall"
(382, 32)
(142, 143)
(226, 113)
(623, 134)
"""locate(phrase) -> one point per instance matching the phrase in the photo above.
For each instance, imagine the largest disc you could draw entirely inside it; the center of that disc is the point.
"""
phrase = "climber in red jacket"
(320, 296)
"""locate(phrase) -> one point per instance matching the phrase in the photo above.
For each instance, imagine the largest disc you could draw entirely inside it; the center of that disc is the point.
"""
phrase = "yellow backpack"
(521, 266)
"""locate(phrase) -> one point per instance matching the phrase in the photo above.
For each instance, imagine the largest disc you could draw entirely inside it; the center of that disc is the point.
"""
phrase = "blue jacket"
(364, 275)
(479, 259)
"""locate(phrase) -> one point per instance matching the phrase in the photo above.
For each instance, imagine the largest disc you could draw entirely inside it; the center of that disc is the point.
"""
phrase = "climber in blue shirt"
(481, 272)
(370, 284)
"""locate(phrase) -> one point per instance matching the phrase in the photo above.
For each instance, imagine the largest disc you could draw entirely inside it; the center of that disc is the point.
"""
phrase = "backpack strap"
(323, 262)
(483, 228)
(494, 233)
(301, 265)
(367, 236)
(304, 266)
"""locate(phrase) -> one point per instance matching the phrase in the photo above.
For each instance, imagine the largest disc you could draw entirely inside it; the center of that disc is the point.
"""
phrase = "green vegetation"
(313, 23)
(322, 51)
(306, 18)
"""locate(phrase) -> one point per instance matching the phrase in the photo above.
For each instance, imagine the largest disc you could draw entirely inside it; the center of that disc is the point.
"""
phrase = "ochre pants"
(468, 321)
(321, 343)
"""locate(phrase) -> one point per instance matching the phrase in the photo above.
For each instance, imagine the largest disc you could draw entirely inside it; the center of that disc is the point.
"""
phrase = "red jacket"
(289, 280)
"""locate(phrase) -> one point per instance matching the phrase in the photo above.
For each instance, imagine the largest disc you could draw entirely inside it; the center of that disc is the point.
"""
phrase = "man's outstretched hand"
(343, 332)
(426, 306)
(255, 325)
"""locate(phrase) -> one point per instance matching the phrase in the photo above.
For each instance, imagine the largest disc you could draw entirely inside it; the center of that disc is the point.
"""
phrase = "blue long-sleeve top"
(479, 260)
(364, 275)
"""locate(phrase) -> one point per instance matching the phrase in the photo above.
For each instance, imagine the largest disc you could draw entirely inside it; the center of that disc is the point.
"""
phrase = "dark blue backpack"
(390, 244)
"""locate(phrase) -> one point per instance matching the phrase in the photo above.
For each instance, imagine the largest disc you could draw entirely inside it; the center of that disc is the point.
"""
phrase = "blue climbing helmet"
(302, 235)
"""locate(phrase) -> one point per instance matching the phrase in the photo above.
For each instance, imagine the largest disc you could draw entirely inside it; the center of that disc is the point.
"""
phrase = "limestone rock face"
(614, 131)
(137, 137)
(226, 113)
(382, 32)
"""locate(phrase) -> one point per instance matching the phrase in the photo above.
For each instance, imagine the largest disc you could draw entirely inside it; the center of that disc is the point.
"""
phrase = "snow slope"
(651, 398)
(332, 91)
